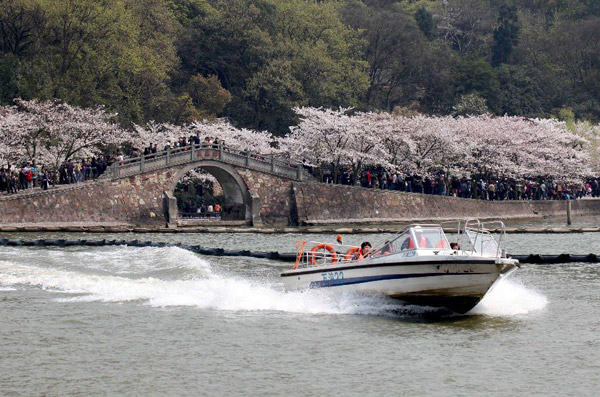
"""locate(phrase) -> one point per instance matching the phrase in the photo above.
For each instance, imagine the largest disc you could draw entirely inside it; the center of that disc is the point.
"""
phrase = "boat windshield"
(430, 237)
(416, 237)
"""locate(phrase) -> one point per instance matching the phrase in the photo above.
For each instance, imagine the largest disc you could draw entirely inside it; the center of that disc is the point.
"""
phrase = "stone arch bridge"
(139, 190)
(255, 187)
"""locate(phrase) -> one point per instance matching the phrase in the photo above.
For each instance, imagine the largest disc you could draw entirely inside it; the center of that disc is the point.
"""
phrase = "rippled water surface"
(155, 321)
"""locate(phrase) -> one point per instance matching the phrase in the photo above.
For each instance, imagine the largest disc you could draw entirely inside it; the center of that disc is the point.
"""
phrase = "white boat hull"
(455, 282)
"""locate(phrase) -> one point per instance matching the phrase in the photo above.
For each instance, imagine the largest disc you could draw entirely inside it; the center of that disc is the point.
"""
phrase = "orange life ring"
(319, 246)
(351, 252)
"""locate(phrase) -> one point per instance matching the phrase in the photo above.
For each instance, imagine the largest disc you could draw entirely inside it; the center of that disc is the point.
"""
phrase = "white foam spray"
(509, 297)
(164, 277)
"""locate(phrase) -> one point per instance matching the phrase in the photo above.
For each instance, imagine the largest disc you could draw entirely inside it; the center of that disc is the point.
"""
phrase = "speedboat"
(418, 265)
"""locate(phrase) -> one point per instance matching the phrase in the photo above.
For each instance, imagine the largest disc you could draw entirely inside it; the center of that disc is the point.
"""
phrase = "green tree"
(325, 55)
(476, 75)
(116, 52)
(299, 50)
(227, 40)
(471, 104)
(397, 51)
(208, 96)
(519, 93)
(270, 96)
(426, 23)
(506, 34)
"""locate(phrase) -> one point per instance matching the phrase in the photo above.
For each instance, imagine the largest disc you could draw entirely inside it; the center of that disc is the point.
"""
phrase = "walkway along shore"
(274, 255)
(126, 228)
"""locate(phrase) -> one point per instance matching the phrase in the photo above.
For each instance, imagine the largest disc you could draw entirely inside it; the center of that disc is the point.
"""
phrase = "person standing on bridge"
(3, 180)
(70, 168)
(44, 178)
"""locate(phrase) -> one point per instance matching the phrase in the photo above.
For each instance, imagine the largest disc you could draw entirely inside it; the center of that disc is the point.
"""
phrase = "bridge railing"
(188, 154)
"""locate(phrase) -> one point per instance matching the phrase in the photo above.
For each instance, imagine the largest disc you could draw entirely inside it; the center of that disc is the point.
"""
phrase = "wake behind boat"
(418, 265)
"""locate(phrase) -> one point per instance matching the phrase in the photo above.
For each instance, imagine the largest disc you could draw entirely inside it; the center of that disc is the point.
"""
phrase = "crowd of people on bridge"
(17, 178)
(14, 178)
(153, 149)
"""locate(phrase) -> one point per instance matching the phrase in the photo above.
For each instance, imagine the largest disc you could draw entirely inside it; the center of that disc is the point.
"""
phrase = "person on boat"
(408, 243)
(423, 241)
(386, 249)
(454, 246)
(405, 244)
(365, 249)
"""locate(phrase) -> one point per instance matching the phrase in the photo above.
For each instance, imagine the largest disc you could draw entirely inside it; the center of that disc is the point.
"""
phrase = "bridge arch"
(234, 187)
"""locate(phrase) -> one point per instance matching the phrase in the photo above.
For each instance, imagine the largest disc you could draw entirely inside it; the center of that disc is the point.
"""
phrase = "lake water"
(164, 321)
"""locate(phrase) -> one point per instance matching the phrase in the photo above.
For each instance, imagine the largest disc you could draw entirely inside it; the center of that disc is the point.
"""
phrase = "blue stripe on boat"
(368, 279)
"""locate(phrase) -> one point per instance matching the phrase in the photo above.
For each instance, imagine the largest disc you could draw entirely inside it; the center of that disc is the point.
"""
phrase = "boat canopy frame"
(473, 236)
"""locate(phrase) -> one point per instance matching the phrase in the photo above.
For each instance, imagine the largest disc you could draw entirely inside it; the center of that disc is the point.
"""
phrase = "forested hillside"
(254, 60)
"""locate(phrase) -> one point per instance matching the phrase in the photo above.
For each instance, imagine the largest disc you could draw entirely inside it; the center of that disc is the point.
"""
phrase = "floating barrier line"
(270, 230)
(287, 257)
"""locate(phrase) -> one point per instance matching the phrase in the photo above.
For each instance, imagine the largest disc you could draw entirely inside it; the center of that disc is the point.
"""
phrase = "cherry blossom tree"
(157, 134)
(368, 143)
(318, 139)
(432, 144)
(518, 147)
(52, 132)
(497, 146)
(19, 135)
(591, 133)
(326, 136)
(241, 139)
(321, 137)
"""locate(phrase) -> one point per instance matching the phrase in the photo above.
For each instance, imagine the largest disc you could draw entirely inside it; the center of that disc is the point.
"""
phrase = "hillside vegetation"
(253, 61)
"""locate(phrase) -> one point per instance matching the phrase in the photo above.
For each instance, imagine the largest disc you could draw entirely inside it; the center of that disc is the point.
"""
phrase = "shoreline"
(321, 229)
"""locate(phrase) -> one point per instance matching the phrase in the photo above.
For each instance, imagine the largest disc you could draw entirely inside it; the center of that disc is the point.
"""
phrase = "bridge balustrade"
(189, 154)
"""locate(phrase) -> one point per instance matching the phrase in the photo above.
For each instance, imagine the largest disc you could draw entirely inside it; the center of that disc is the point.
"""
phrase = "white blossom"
(515, 147)
(52, 132)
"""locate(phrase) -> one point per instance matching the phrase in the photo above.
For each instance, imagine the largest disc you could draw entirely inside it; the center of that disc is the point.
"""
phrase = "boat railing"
(320, 254)
(480, 238)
